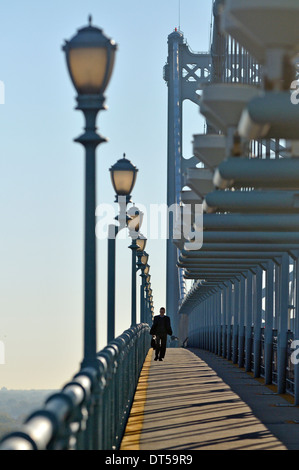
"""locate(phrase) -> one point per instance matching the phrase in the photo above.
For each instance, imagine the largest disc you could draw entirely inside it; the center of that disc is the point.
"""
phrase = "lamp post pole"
(147, 298)
(90, 140)
(113, 231)
(147, 307)
(123, 176)
(133, 248)
(141, 264)
(142, 299)
(90, 58)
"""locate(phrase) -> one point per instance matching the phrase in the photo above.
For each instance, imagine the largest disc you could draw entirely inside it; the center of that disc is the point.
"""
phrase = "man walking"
(161, 328)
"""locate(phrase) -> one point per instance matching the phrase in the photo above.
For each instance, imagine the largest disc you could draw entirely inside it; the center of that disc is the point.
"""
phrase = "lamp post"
(90, 59)
(123, 177)
(134, 227)
(141, 264)
(141, 243)
(147, 297)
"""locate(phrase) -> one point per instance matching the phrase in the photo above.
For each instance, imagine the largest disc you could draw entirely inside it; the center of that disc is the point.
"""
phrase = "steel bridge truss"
(244, 298)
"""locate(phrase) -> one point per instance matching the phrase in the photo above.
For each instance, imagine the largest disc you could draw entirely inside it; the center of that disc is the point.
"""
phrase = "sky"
(42, 170)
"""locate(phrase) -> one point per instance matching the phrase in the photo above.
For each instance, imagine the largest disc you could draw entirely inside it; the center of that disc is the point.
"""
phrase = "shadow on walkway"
(195, 400)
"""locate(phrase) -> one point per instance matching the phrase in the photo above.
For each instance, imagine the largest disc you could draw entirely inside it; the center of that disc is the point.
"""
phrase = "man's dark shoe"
(160, 359)
(155, 359)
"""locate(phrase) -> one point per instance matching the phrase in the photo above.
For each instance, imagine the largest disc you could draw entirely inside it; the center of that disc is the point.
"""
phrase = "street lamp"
(90, 58)
(135, 222)
(144, 258)
(146, 269)
(123, 177)
(141, 244)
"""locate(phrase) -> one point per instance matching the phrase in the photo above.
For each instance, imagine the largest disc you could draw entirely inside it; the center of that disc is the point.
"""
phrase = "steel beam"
(250, 237)
(251, 222)
(225, 254)
(258, 201)
(280, 173)
(245, 247)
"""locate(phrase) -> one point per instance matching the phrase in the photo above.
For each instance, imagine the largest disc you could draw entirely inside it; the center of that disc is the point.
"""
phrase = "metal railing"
(91, 411)
(246, 358)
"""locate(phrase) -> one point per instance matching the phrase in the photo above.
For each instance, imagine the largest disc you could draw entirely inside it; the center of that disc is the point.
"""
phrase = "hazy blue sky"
(42, 178)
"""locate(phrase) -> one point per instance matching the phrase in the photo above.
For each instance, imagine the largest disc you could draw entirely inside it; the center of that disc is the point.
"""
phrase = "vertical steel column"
(224, 321)
(219, 322)
(201, 320)
(277, 294)
(283, 324)
(248, 315)
(173, 155)
(229, 321)
(241, 338)
(269, 322)
(257, 320)
(205, 324)
(214, 307)
(222, 317)
(210, 323)
(295, 357)
(236, 320)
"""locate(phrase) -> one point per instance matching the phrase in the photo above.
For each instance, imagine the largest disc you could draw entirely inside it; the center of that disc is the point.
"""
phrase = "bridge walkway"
(195, 400)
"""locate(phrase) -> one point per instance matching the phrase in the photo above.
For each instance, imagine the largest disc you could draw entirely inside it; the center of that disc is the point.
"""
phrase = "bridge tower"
(185, 72)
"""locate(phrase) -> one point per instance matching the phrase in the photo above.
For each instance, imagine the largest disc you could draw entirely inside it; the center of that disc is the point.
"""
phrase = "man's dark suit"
(161, 328)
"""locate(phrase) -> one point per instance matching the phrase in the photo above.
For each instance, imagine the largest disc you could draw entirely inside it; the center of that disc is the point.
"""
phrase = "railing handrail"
(89, 412)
